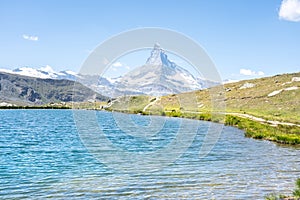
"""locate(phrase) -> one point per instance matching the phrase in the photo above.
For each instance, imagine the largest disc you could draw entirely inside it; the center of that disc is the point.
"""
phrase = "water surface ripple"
(41, 156)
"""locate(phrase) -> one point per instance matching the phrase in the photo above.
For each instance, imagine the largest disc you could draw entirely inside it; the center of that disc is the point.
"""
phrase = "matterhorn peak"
(158, 57)
(155, 58)
(156, 46)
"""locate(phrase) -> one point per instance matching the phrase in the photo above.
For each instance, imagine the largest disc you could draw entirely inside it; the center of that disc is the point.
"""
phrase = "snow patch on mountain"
(43, 72)
(71, 72)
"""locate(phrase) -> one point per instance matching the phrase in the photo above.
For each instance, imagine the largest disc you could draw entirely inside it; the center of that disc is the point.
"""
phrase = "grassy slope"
(130, 104)
(284, 106)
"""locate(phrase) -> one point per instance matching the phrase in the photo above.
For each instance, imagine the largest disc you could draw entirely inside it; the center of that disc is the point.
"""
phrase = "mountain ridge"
(43, 72)
(158, 76)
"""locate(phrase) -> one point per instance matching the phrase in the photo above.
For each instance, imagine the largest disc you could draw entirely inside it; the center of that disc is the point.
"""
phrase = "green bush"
(275, 197)
(174, 113)
(205, 116)
(296, 192)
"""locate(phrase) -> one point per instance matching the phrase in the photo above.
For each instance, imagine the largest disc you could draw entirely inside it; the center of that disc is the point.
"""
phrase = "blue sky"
(255, 35)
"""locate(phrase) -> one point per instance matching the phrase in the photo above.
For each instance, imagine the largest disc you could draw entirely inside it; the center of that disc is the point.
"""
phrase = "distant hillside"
(24, 90)
(273, 98)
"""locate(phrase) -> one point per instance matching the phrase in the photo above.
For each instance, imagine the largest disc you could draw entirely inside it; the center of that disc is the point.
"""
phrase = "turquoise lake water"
(42, 156)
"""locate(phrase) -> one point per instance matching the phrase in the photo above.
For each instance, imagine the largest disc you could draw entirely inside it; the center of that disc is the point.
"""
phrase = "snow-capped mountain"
(98, 84)
(158, 76)
(43, 72)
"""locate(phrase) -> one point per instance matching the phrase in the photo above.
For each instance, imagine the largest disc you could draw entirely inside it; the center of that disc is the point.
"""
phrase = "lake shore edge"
(281, 134)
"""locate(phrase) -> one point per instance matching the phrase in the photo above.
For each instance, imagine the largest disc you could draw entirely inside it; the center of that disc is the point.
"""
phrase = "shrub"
(296, 192)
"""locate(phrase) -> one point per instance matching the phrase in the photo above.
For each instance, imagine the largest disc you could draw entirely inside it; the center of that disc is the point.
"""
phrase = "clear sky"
(252, 37)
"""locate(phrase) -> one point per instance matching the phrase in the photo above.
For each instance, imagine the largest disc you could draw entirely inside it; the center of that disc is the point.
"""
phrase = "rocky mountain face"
(29, 90)
(158, 76)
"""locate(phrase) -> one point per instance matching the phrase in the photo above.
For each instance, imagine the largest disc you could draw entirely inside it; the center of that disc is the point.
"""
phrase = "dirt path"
(261, 120)
(257, 119)
(151, 103)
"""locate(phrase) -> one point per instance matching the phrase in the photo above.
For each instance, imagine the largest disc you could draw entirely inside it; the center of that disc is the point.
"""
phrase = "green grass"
(255, 101)
(275, 197)
(130, 104)
(296, 192)
(282, 107)
(281, 134)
